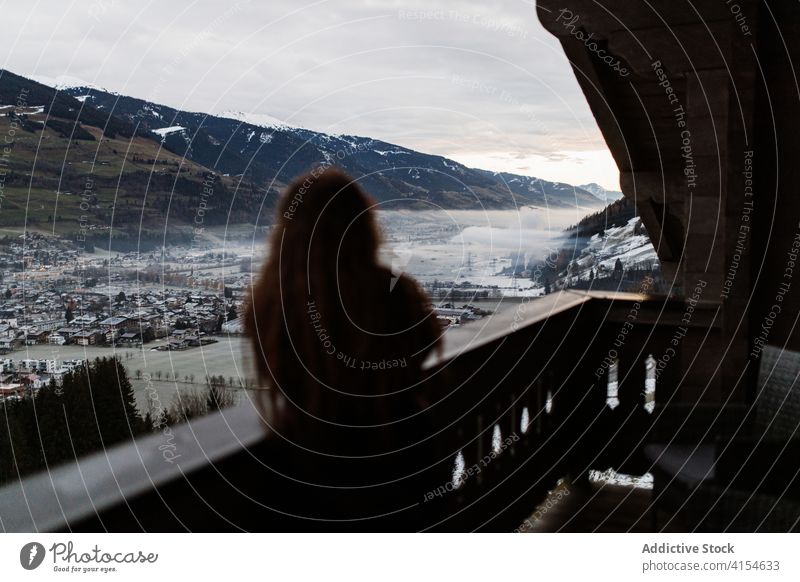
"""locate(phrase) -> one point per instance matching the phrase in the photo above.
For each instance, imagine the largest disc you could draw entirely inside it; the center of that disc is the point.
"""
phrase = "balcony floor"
(597, 507)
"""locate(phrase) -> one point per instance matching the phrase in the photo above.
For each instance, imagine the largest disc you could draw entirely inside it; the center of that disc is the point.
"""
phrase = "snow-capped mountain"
(265, 150)
(63, 82)
(596, 190)
(257, 119)
(550, 193)
(157, 163)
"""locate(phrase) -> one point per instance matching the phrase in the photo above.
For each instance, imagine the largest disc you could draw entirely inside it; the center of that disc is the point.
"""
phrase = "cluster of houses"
(25, 376)
(87, 318)
(89, 330)
(451, 315)
(53, 292)
(35, 253)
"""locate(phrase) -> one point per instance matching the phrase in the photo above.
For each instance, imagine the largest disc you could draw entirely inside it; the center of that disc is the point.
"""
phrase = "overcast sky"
(479, 82)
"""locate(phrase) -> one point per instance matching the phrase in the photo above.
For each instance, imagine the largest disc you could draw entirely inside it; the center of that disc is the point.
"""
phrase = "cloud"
(448, 77)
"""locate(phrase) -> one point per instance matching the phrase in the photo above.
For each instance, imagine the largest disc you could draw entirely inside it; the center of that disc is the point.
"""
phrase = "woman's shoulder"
(399, 284)
(406, 303)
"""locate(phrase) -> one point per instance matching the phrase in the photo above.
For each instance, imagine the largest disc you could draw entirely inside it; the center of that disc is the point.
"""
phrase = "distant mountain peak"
(258, 119)
(64, 82)
(601, 193)
(266, 152)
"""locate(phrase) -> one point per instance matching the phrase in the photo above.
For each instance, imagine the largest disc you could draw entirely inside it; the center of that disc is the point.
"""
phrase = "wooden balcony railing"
(519, 400)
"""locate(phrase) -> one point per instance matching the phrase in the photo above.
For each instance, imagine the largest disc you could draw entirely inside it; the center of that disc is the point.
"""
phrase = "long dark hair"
(339, 339)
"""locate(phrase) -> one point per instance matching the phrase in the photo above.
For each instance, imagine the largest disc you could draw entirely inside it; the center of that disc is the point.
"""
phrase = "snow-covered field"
(471, 246)
(468, 246)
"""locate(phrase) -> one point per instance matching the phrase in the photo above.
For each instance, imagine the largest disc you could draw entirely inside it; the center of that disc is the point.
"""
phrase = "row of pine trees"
(94, 408)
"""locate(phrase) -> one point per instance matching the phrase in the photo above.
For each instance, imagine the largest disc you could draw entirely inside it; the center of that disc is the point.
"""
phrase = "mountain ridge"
(250, 163)
(311, 147)
(596, 190)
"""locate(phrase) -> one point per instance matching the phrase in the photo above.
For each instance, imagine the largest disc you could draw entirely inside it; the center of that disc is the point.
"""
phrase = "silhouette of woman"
(340, 341)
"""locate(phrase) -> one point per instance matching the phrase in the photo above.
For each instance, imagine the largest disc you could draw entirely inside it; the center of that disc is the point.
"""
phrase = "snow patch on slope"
(629, 243)
(164, 131)
(62, 82)
(257, 119)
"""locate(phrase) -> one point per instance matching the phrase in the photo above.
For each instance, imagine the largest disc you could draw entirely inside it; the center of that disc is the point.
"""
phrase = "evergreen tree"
(617, 270)
(92, 409)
